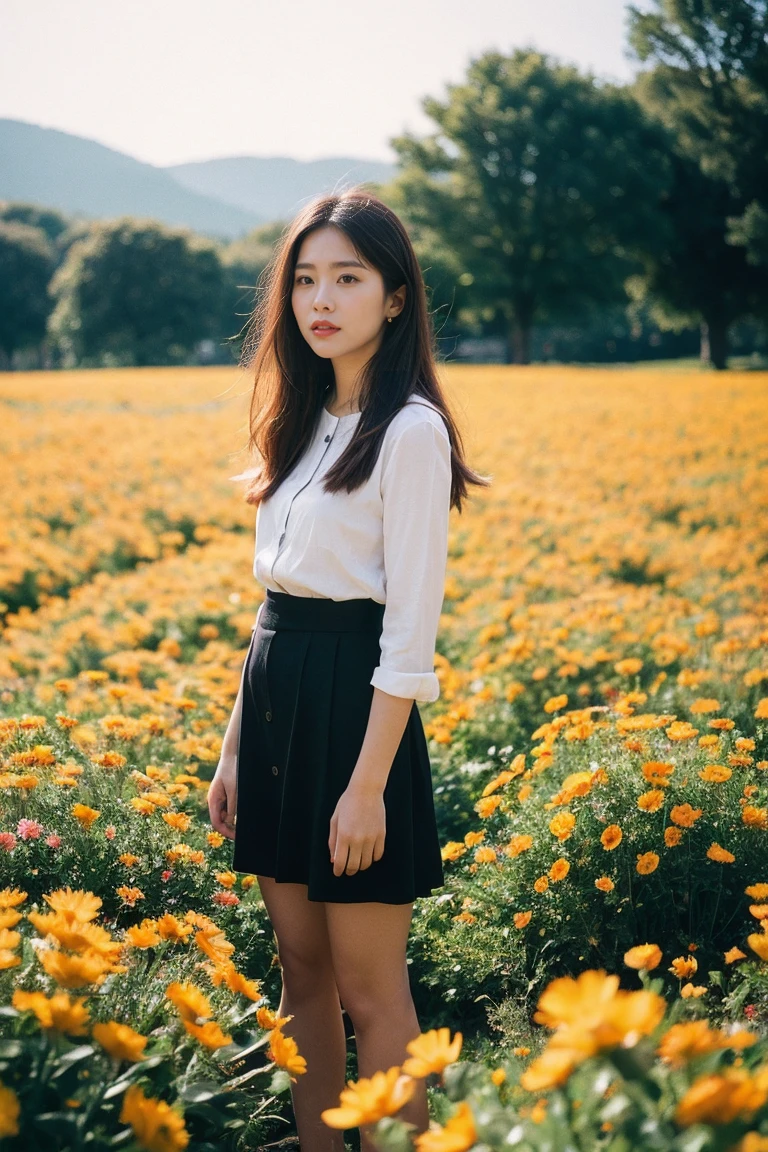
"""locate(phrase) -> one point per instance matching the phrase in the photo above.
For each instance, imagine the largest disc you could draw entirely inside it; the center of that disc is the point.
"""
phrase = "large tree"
(133, 292)
(543, 183)
(27, 261)
(709, 86)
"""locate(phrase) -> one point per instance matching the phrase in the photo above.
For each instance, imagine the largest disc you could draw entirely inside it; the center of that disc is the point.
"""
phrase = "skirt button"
(267, 715)
(274, 769)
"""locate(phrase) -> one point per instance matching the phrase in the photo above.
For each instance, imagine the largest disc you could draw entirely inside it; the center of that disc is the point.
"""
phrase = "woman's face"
(332, 286)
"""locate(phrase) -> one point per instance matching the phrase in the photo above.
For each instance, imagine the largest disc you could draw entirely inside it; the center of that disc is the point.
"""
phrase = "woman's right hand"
(222, 796)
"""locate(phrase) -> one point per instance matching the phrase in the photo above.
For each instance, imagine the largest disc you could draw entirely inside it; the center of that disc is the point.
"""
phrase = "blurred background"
(583, 183)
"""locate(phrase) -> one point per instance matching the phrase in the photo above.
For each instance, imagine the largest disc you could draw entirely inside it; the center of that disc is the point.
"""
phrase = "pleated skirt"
(306, 702)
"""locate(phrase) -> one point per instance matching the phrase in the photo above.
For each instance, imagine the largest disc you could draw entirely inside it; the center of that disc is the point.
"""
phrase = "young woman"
(325, 759)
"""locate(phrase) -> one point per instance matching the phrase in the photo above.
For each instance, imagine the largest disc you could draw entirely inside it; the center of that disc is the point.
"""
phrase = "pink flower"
(54, 840)
(7, 841)
(110, 831)
(226, 898)
(750, 1011)
(29, 829)
(166, 875)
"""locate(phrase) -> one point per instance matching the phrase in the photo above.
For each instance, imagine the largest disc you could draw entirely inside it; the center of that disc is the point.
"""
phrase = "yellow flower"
(74, 971)
(644, 956)
(498, 1076)
(58, 1012)
(672, 837)
(541, 884)
(473, 838)
(716, 773)
(156, 1126)
(684, 966)
(757, 891)
(178, 820)
(684, 815)
(10, 1110)
(11, 897)
(554, 703)
(457, 1135)
(84, 814)
(189, 1001)
(120, 1041)
(559, 869)
(592, 1012)
(683, 1042)
(754, 817)
(549, 1070)
(719, 854)
(518, 844)
(719, 1099)
(647, 862)
(285, 1053)
(651, 801)
(74, 905)
(431, 1052)
(611, 837)
(758, 942)
(522, 919)
(487, 805)
(369, 1100)
(692, 991)
(485, 854)
(453, 850)
(208, 1033)
(562, 825)
(734, 954)
(657, 772)
(267, 1019)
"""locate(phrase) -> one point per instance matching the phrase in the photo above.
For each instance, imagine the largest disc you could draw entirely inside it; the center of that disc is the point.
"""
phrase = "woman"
(325, 759)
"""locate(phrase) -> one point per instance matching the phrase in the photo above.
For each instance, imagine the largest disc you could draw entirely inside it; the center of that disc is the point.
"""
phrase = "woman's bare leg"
(368, 947)
(311, 996)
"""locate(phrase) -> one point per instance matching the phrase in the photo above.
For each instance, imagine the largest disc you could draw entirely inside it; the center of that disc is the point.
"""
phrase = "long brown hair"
(291, 381)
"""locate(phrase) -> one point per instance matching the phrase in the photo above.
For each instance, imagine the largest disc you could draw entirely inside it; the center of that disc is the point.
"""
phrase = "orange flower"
(684, 815)
(541, 884)
(611, 837)
(559, 869)
(647, 862)
(716, 773)
(719, 854)
(562, 825)
(517, 845)
(431, 1052)
(643, 956)
(657, 772)
(757, 891)
(605, 884)
(651, 801)
(285, 1053)
(754, 817)
(369, 1100)
(672, 837)
(734, 954)
(522, 919)
(684, 966)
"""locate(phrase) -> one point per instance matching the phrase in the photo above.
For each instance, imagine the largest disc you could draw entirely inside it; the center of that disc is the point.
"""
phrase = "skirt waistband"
(320, 614)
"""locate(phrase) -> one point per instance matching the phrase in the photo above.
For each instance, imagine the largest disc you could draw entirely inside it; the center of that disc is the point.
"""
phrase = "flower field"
(595, 971)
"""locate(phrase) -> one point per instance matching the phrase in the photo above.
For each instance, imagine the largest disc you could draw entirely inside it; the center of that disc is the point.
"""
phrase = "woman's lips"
(324, 331)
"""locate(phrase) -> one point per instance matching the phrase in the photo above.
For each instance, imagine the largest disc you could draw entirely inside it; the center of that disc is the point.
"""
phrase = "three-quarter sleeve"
(416, 495)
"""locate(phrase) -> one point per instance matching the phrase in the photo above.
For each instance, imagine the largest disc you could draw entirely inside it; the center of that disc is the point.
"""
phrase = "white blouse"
(387, 540)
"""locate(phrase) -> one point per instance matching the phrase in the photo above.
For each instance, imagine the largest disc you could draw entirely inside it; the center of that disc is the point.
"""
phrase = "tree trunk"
(520, 341)
(714, 343)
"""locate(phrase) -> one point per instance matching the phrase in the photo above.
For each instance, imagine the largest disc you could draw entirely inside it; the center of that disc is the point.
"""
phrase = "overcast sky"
(169, 81)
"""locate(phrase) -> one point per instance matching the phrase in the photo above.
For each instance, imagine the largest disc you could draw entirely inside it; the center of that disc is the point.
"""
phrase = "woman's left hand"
(358, 831)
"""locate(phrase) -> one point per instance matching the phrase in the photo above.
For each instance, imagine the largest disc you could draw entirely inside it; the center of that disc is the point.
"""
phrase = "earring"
(389, 318)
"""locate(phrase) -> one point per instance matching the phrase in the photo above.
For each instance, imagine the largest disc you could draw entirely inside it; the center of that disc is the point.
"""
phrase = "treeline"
(556, 217)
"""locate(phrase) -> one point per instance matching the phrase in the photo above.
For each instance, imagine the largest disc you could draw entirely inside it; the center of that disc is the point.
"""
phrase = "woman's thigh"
(368, 950)
(300, 927)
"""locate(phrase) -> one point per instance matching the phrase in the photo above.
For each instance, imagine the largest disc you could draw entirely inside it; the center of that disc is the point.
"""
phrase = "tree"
(544, 184)
(133, 292)
(709, 86)
(27, 261)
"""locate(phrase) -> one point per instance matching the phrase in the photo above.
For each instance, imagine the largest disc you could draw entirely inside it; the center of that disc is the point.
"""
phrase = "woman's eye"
(344, 276)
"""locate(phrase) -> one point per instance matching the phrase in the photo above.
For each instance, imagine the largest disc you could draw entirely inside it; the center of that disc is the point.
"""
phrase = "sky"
(172, 81)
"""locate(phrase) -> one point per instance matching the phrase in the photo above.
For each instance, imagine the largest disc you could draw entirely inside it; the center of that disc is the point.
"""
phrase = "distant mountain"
(80, 177)
(275, 187)
(219, 198)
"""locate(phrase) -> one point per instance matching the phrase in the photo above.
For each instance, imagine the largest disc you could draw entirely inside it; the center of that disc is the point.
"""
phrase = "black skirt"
(306, 701)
